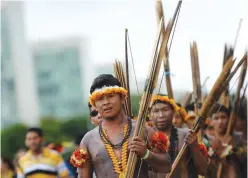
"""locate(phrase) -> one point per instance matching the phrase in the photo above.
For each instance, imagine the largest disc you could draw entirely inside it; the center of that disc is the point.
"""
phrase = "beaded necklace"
(173, 143)
(119, 166)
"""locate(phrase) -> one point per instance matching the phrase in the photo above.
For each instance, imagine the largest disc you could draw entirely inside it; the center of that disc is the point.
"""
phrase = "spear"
(127, 74)
(237, 96)
(195, 75)
(226, 82)
(243, 95)
(160, 14)
(225, 98)
(149, 88)
(118, 70)
(186, 99)
(196, 81)
(236, 106)
(210, 100)
(202, 87)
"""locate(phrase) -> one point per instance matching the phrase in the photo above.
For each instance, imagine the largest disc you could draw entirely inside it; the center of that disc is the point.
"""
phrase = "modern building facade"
(18, 97)
(61, 73)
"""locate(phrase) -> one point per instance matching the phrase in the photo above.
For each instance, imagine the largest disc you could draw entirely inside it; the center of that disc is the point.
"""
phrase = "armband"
(79, 158)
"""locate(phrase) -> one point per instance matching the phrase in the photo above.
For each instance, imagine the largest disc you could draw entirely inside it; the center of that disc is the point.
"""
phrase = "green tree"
(52, 130)
(135, 99)
(12, 139)
(74, 126)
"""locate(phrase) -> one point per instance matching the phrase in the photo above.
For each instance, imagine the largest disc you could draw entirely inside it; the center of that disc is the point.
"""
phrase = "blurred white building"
(18, 96)
(63, 76)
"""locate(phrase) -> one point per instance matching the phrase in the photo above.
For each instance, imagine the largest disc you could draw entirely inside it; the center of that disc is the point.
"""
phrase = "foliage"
(135, 99)
(74, 126)
(12, 139)
(56, 130)
(52, 130)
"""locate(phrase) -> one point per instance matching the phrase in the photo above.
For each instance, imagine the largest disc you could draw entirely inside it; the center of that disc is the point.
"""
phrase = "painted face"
(33, 141)
(162, 115)
(177, 120)
(95, 116)
(109, 105)
(220, 121)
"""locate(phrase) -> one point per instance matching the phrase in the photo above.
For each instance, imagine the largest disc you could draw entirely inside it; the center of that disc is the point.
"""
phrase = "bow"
(226, 75)
(160, 14)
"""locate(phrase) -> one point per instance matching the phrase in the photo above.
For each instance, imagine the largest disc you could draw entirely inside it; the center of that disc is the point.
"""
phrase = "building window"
(75, 72)
(9, 84)
(73, 105)
(44, 75)
(51, 90)
(60, 56)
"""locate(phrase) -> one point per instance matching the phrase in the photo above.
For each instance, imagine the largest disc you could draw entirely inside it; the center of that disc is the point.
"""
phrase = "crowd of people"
(103, 151)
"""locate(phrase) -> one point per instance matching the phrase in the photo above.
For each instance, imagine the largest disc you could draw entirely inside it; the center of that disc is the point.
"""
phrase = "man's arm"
(200, 161)
(85, 170)
(161, 162)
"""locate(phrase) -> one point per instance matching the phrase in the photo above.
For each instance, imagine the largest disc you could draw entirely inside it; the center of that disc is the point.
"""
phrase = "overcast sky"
(211, 23)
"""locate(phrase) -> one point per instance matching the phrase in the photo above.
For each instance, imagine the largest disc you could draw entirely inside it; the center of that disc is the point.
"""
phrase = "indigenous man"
(179, 116)
(177, 120)
(194, 162)
(40, 162)
(105, 149)
(191, 118)
(95, 116)
(226, 149)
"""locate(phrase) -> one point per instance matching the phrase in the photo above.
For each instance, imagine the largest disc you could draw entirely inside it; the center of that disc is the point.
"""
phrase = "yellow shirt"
(49, 164)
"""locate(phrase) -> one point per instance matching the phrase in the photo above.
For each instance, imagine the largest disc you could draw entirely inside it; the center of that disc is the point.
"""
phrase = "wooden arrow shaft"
(210, 100)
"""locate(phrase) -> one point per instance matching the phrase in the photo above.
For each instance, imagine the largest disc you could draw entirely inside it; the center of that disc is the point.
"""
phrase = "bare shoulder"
(86, 140)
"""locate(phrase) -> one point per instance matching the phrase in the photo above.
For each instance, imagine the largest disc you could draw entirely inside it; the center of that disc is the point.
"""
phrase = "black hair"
(221, 108)
(159, 101)
(79, 137)
(89, 106)
(36, 130)
(191, 107)
(104, 80)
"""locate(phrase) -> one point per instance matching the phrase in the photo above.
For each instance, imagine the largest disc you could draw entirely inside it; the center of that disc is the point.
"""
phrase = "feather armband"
(160, 141)
(203, 149)
(79, 158)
